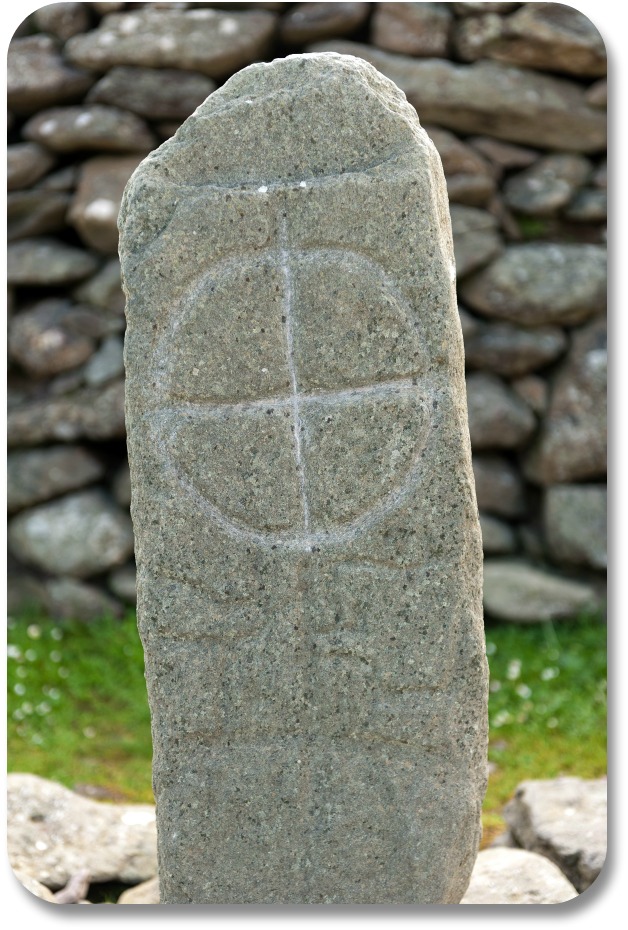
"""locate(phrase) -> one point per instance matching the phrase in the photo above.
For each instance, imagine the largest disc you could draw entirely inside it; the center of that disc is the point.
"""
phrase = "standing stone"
(309, 555)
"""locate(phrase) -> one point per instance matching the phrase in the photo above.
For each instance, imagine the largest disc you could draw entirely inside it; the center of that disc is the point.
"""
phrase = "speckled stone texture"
(308, 546)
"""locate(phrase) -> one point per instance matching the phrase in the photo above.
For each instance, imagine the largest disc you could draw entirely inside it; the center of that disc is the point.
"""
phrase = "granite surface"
(307, 539)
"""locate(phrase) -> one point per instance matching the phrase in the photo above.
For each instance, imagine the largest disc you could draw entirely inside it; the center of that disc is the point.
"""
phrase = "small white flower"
(33, 631)
(514, 669)
(19, 689)
(523, 691)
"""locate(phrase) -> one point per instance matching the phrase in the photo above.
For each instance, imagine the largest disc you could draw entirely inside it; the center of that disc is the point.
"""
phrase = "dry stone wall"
(512, 94)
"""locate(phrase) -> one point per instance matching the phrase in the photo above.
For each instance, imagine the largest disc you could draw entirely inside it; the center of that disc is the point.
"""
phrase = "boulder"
(575, 524)
(518, 593)
(88, 413)
(67, 598)
(27, 162)
(47, 262)
(54, 833)
(541, 282)
(548, 36)
(498, 537)
(498, 486)
(33, 886)
(308, 22)
(565, 820)
(74, 129)
(45, 340)
(62, 19)
(548, 185)
(36, 475)
(511, 351)
(516, 876)
(476, 238)
(123, 583)
(203, 40)
(571, 446)
(35, 212)
(38, 76)
(104, 290)
(107, 363)
(498, 418)
(79, 535)
(145, 893)
(470, 179)
(94, 210)
(489, 98)
(154, 93)
(419, 29)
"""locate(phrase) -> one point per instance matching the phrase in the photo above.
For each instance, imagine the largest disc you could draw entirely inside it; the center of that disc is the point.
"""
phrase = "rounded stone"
(516, 876)
(518, 593)
(79, 535)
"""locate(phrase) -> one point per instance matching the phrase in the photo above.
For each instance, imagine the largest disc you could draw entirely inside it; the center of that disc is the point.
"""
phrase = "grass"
(78, 712)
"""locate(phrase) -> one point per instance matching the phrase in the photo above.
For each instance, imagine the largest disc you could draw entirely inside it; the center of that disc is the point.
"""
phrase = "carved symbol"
(307, 533)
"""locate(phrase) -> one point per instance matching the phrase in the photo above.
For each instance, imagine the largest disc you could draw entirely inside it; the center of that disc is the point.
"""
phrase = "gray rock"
(490, 98)
(548, 185)
(35, 212)
(44, 341)
(516, 876)
(72, 129)
(122, 486)
(468, 323)
(154, 93)
(104, 290)
(62, 19)
(498, 418)
(146, 893)
(69, 599)
(79, 535)
(540, 283)
(469, 177)
(420, 29)
(473, 9)
(33, 886)
(572, 444)
(94, 211)
(597, 94)
(38, 474)
(504, 155)
(498, 538)
(90, 413)
(476, 238)
(588, 206)
(47, 262)
(518, 593)
(214, 44)
(533, 389)
(307, 22)
(549, 36)
(26, 164)
(575, 524)
(364, 699)
(107, 363)
(510, 350)
(64, 179)
(54, 833)
(565, 820)
(498, 486)
(38, 77)
(123, 583)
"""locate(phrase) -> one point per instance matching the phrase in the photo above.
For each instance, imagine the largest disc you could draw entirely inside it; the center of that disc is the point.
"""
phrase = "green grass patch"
(78, 711)
(547, 706)
(77, 704)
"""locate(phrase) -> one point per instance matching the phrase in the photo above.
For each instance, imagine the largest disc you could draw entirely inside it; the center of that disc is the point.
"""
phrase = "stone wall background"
(514, 97)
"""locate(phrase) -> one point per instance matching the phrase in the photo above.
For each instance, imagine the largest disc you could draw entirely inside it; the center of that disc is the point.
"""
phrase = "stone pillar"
(307, 539)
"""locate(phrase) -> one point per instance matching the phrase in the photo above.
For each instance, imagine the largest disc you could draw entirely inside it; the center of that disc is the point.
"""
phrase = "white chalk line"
(288, 296)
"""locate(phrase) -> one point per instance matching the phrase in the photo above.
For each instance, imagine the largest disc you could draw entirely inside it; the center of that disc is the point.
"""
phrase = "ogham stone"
(308, 546)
